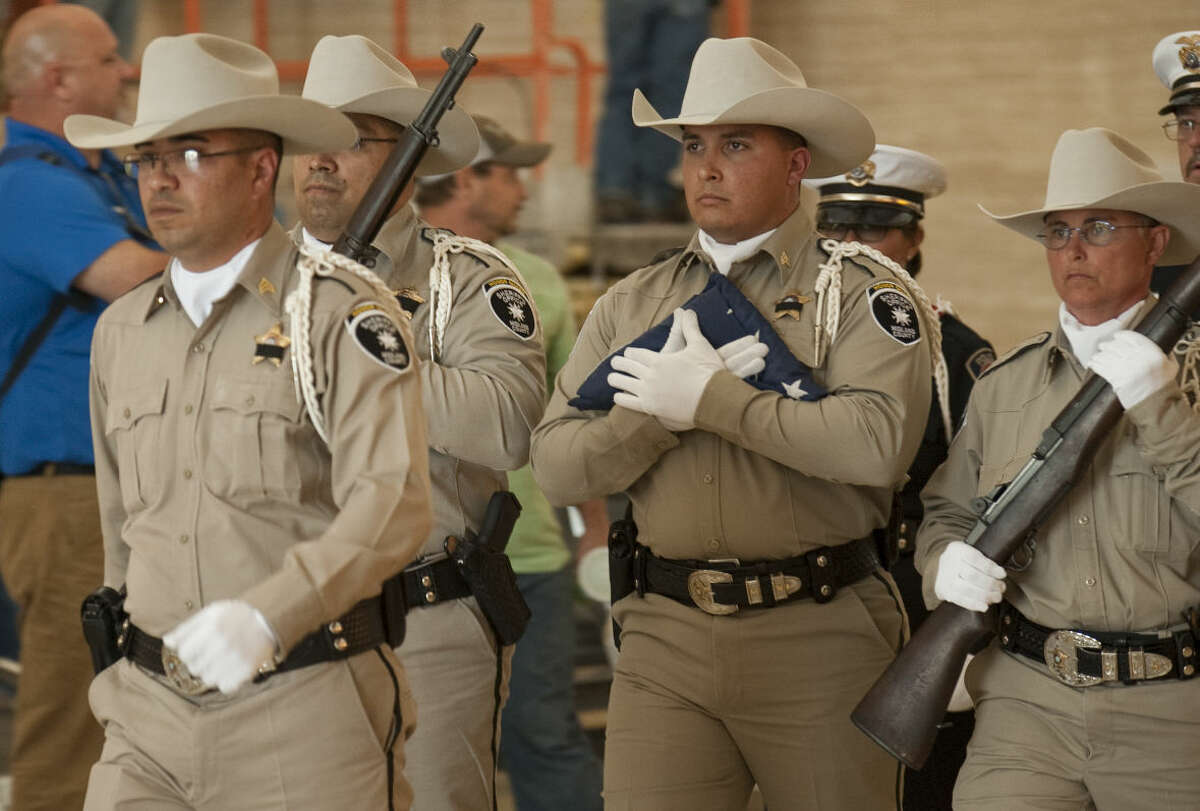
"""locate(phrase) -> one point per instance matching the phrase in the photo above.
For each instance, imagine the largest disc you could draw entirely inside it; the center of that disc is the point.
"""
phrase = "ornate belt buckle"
(1062, 658)
(700, 583)
(179, 676)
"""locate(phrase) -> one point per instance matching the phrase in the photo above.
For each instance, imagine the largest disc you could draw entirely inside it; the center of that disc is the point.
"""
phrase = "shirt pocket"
(134, 423)
(258, 435)
(1002, 455)
(1138, 504)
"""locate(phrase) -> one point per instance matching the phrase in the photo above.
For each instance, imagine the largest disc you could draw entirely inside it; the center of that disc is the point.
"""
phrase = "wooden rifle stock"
(397, 171)
(902, 710)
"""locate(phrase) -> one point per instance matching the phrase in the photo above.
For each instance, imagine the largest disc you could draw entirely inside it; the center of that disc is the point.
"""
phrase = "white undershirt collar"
(1085, 339)
(198, 291)
(724, 256)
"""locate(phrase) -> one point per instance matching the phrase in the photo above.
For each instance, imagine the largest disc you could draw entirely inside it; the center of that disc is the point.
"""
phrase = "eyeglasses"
(1097, 233)
(865, 233)
(358, 145)
(175, 160)
(1182, 129)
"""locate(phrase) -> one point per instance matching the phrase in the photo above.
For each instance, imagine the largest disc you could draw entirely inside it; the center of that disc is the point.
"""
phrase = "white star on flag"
(794, 389)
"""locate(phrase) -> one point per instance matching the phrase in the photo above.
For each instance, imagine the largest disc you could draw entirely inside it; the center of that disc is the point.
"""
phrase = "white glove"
(1134, 365)
(960, 700)
(744, 356)
(667, 385)
(224, 643)
(967, 578)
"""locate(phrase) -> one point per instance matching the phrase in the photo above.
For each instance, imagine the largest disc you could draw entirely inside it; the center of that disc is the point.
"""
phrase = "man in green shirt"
(549, 761)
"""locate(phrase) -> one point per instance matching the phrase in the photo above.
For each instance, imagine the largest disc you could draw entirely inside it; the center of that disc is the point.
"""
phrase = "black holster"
(487, 570)
(622, 563)
(103, 615)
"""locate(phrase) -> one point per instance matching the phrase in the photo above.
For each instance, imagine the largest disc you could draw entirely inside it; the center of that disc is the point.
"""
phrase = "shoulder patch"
(894, 312)
(1016, 351)
(979, 361)
(511, 306)
(378, 336)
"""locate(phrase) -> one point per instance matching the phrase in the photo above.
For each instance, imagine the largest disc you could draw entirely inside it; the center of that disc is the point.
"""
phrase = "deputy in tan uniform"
(1086, 698)
(483, 389)
(260, 465)
(749, 502)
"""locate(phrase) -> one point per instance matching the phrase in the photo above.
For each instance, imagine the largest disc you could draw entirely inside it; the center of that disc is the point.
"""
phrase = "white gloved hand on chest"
(224, 643)
(668, 384)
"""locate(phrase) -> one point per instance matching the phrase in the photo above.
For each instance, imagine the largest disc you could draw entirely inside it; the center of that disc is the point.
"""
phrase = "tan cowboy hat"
(1097, 168)
(198, 82)
(354, 75)
(745, 81)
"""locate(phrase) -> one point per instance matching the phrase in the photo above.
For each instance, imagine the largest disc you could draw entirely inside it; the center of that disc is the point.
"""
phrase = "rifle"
(398, 169)
(902, 710)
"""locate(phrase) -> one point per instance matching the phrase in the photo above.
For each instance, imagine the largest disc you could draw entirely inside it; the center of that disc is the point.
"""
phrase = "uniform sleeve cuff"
(723, 402)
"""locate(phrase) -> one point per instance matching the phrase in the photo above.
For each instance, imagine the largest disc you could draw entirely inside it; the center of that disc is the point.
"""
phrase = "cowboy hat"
(198, 82)
(354, 75)
(1097, 168)
(745, 81)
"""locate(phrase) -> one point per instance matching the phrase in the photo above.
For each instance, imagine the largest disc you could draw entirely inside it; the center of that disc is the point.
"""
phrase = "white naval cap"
(893, 177)
(1176, 60)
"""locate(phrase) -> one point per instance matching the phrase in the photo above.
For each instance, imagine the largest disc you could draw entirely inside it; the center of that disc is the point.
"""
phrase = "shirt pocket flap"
(1128, 460)
(133, 404)
(257, 397)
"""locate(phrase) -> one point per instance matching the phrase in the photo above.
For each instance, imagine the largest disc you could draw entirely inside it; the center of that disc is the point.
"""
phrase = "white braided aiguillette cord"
(322, 262)
(1187, 350)
(441, 290)
(941, 377)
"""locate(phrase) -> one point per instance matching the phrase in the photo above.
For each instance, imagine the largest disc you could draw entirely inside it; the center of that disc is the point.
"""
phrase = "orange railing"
(537, 65)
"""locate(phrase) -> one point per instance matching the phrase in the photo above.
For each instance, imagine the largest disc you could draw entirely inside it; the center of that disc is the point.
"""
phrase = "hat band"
(860, 197)
(1186, 79)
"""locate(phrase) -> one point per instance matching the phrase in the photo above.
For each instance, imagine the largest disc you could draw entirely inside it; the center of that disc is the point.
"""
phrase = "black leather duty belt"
(359, 630)
(724, 587)
(432, 582)
(1086, 658)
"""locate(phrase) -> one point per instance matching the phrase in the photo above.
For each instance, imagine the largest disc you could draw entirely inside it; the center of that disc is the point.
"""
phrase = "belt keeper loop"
(821, 572)
(1185, 653)
(639, 569)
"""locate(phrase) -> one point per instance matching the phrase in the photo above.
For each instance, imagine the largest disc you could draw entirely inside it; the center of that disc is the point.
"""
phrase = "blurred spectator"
(72, 237)
(650, 44)
(549, 761)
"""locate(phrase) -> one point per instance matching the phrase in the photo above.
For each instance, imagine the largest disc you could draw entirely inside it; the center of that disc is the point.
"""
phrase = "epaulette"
(428, 231)
(855, 260)
(663, 256)
(342, 282)
(1019, 349)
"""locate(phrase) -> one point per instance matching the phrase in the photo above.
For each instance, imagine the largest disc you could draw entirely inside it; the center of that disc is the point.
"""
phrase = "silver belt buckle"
(1060, 652)
(700, 583)
(179, 676)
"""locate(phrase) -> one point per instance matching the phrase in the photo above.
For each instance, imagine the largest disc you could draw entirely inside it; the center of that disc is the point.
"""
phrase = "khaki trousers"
(1039, 744)
(460, 683)
(52, 556)
(312, 738)
(703, 707)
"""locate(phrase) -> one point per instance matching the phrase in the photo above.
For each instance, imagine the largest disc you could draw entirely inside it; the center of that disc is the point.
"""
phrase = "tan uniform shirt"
(763, 476)
(1118, 553)
(486, 390)
(213, 483)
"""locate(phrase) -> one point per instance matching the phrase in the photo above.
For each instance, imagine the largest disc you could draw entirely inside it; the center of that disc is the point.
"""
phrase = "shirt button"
(187, 409)
(1083, 520)
(183, 538)
(127, 413)
(714, 544)
(187, 473)
(198, 348)
(1090, 582)
(662, 446)
(188, 605)
(250, 400)
(708, 478)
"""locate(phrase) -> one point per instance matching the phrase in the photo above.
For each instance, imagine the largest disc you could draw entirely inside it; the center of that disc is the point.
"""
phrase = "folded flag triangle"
(724, 315)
